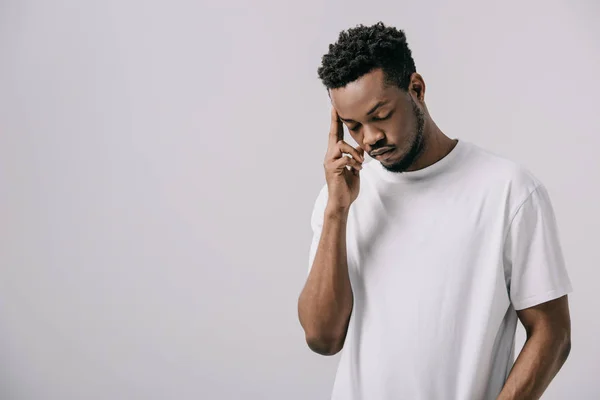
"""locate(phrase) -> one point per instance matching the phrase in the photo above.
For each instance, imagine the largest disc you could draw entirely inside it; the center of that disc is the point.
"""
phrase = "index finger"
(336, 131)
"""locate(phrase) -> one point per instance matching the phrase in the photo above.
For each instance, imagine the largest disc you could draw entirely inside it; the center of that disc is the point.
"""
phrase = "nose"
(372, 136)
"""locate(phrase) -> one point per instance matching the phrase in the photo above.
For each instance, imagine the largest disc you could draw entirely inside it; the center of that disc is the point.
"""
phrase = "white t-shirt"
(439, 260)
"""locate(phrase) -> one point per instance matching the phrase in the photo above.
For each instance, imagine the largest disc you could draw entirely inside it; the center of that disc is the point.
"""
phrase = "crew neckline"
(424, 173)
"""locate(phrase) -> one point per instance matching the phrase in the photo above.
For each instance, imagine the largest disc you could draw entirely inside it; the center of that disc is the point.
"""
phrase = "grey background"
(159, 162)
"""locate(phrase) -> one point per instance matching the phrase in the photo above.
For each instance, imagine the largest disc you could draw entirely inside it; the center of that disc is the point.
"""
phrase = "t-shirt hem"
(542, 298)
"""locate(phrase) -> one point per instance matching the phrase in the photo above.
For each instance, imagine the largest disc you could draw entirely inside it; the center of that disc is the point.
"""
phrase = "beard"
(417, 144)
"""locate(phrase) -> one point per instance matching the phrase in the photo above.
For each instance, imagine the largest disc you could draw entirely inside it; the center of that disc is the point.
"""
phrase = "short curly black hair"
(361, 49)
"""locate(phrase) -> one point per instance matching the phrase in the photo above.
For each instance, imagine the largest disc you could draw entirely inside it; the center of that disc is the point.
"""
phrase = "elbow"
(566, 348)
(562, 340)
(325, 345)
(324, 335)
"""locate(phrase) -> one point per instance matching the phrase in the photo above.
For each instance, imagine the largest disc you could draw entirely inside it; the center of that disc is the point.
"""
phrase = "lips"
(380, 152)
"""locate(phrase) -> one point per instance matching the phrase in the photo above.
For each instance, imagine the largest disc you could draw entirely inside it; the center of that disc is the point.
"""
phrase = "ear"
(417, 87)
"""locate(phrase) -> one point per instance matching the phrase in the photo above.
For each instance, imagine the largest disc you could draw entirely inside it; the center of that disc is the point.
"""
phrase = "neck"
(437, 145)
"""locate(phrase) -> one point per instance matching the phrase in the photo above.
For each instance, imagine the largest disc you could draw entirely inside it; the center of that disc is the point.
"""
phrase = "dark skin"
(404, 125)
(548, 327)
(400, 128)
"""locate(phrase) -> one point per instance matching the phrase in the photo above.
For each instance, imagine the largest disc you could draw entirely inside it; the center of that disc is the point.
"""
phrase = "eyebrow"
(379, 104)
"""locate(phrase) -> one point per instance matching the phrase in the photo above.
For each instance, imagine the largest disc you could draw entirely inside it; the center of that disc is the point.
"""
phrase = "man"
(423, 259)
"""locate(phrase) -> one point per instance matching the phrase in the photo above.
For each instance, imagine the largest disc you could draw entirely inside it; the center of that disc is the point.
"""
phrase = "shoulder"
(513, 178)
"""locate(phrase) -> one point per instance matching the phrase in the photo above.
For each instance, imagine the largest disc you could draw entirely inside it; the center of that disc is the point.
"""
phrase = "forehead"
(358, 97)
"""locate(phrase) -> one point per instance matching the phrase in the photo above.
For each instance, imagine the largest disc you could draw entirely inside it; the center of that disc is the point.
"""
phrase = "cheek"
(348, 132)
(354, 135)
(396, 128)
(406, 126)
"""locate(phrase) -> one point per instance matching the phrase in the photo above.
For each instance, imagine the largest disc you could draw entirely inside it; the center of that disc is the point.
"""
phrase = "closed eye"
(382, 118)
(355, 128)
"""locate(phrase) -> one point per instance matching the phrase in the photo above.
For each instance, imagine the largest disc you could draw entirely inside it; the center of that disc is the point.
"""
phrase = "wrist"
(336, 211)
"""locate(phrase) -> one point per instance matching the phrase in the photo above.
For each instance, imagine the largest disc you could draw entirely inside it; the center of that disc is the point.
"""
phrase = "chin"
(399, 164)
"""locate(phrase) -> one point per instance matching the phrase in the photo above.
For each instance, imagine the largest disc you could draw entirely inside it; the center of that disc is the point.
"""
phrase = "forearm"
(325, 303)
(539, 361)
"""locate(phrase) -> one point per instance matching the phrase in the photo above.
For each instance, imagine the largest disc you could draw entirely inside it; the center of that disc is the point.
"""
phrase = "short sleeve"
(533, 258)
(316, 222)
